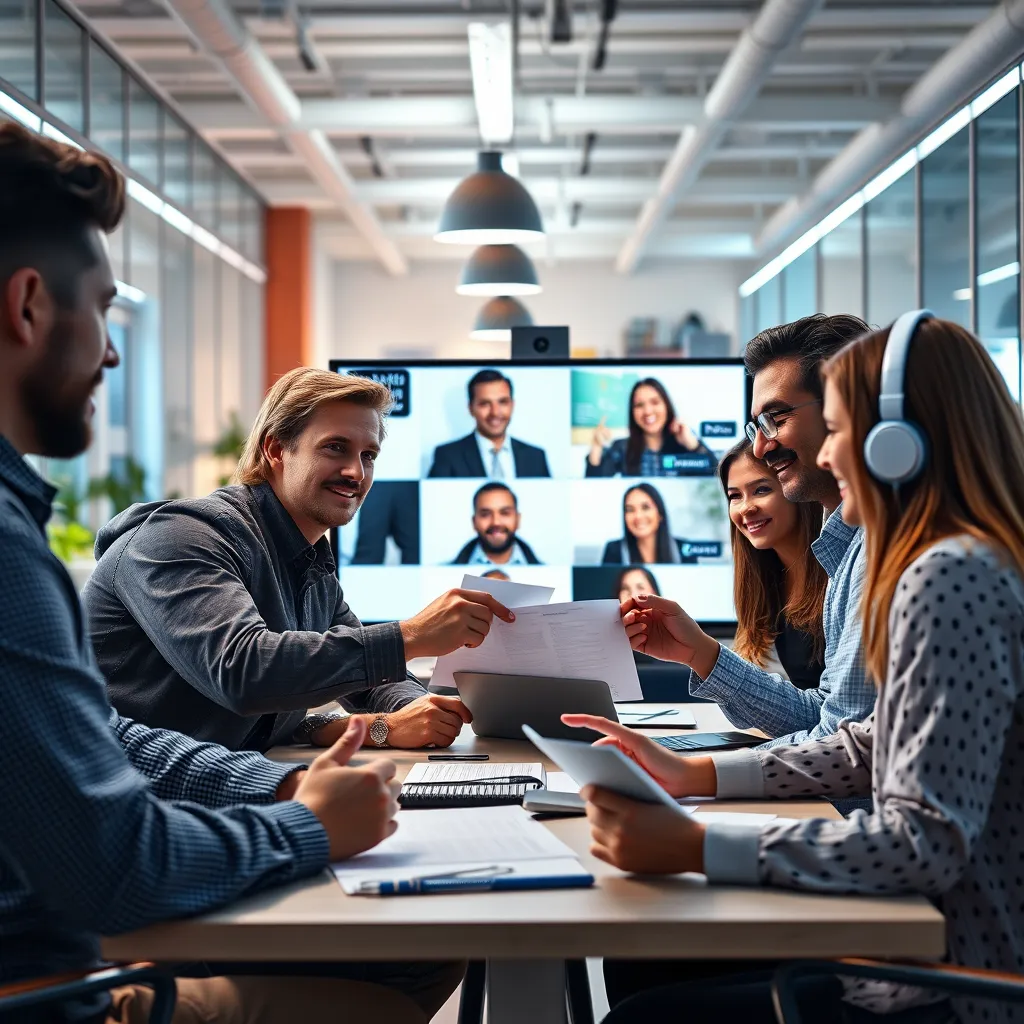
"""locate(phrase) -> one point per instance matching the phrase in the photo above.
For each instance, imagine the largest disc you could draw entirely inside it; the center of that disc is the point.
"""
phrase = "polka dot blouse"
(943, 757)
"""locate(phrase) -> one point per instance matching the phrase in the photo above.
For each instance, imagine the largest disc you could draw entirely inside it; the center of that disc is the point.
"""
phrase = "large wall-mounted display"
(578, 475)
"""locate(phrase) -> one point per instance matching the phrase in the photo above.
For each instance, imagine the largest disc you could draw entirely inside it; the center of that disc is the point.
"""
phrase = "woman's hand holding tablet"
(678, 776)
(635, 824)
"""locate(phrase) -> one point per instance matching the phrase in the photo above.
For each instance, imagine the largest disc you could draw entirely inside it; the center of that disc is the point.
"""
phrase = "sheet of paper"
(577, 640)
(667, 714)
(733, 817)
(562, 782)
(432, 842)
(555, 867)
(511, 595)
(457, 771)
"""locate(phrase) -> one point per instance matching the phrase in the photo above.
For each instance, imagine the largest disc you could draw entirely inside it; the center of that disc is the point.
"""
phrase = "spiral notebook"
(485, 784)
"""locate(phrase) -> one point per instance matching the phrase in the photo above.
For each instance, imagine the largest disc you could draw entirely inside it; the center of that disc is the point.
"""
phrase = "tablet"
(606, 767)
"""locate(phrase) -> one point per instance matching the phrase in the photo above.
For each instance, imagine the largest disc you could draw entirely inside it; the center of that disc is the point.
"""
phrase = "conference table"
(526, 937)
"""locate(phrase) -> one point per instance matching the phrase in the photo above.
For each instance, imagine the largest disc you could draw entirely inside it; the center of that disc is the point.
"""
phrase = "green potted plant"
(70, 539)
(229, 447)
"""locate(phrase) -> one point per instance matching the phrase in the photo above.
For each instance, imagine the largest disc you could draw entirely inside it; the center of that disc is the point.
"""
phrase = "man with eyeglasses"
(787, 431)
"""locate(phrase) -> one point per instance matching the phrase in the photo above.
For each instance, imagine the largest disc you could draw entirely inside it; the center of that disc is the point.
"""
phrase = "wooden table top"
(621, 916)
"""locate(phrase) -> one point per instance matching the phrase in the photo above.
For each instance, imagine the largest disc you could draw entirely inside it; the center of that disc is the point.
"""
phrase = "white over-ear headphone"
(895, 450)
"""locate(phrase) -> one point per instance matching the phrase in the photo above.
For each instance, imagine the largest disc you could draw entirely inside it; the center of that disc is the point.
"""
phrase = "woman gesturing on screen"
(654, 432)
(645, 533)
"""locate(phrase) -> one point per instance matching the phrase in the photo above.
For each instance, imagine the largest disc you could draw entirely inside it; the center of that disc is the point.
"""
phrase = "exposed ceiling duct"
(776, 26)
(951, 81)
(219, 33)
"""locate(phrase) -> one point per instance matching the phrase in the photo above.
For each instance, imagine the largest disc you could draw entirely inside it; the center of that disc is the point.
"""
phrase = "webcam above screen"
(540, 343)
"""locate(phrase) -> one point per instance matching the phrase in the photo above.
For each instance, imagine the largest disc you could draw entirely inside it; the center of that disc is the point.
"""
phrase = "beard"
(490, 548)
(58, 405)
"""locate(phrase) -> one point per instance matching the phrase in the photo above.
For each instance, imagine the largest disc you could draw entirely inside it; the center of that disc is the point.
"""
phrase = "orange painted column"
(288, 291)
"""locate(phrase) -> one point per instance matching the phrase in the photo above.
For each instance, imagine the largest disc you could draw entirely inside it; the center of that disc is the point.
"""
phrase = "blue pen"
(473, 880)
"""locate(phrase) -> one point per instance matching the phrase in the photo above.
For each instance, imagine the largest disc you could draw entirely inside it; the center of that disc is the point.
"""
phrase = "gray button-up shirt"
(216, 617)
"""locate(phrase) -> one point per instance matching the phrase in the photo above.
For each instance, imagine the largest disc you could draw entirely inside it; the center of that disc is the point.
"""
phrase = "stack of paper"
(453, 841)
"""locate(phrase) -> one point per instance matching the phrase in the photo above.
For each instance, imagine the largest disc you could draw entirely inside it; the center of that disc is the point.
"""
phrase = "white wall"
(369, 313)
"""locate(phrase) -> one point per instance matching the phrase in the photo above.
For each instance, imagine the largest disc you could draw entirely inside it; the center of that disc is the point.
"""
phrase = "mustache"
(778, 455)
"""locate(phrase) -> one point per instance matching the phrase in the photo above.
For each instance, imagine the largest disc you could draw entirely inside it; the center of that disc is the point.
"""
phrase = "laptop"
(502, 703)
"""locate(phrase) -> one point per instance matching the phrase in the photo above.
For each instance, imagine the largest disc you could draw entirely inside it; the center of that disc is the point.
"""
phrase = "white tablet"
(606, 767)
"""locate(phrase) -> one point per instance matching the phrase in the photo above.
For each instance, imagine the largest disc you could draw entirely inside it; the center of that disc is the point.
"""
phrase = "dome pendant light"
(490, 207)
(496, 319)
(499, 270)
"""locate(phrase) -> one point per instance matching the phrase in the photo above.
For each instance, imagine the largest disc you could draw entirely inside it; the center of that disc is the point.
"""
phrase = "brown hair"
(759, 590)
(973, 480)
(290, 404)
(51, 194)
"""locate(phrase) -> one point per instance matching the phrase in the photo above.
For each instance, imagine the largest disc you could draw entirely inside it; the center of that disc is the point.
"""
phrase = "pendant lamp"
(490, 207)
(496, 319)
(499, 270)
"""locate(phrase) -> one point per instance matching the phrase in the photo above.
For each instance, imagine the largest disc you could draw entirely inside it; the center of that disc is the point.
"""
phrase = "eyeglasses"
(769, 425)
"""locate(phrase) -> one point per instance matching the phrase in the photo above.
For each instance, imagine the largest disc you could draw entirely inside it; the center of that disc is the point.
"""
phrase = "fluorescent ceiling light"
(178, 220)
(130, 292)
(999, 273)
(962, 295)
(15, 110)
(490, 58)
(945, 131)
(877, 185)
(995, 92)
(150, 200)
(59, 136)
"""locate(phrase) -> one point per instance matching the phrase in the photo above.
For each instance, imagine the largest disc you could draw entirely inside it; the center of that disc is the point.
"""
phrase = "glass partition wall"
(188, 258)
(940, 227)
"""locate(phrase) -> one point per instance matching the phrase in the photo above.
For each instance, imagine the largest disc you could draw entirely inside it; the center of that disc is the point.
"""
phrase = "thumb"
(658, 604)
(348, 743)
(453, 704)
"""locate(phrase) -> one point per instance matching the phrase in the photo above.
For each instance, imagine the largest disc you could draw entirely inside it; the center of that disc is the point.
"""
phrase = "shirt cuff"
(385, 653)
(310, 845)
(705, 687)
(731, 853)
(739, 774)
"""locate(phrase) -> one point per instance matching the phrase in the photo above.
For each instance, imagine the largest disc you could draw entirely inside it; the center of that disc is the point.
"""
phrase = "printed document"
(577, 640)
(449, 841)
(511, 595)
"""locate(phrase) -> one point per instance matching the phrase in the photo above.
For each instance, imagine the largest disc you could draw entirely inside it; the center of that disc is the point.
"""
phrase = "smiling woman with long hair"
(654, 432)
(779, 586)
(943, 612)
(646, 537)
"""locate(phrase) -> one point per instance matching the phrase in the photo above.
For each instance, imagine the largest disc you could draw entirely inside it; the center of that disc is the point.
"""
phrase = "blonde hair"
(973, 480)
(290, 404)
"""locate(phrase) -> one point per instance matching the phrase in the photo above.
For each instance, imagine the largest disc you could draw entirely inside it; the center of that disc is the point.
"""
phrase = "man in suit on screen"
(489, 451)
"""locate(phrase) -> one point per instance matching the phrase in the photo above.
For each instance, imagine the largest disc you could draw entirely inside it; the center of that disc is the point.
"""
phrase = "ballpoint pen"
(478, 879)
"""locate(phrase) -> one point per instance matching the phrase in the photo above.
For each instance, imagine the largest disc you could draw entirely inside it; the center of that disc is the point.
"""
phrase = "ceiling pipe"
(950, 82)
(776, 26)
(219, 34)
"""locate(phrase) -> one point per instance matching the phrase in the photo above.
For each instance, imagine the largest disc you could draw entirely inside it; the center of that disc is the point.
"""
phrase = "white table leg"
(526, 992)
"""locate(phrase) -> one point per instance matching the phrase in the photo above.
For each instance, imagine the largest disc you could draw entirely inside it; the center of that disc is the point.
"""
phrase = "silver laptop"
(502, 703)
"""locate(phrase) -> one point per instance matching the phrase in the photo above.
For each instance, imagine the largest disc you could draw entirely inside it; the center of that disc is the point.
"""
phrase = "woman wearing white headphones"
(928, 450)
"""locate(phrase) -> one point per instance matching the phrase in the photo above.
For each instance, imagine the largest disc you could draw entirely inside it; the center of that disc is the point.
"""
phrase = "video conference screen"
(597, 479)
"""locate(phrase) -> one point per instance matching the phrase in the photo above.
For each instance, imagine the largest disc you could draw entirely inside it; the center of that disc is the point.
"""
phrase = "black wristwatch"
(312, 723)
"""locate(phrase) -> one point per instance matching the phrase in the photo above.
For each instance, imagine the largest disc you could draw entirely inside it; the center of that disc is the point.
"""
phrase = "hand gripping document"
(576, 640)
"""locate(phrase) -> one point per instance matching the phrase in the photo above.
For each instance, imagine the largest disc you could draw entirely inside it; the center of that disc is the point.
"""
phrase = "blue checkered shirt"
(107, 825)
(754, 699)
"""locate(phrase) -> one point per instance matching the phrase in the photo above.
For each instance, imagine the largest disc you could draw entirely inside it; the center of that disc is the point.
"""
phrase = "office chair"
(956, 981)
(25, 995)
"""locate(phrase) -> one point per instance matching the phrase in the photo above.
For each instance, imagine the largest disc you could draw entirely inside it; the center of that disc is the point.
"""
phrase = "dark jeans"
(722, 991)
